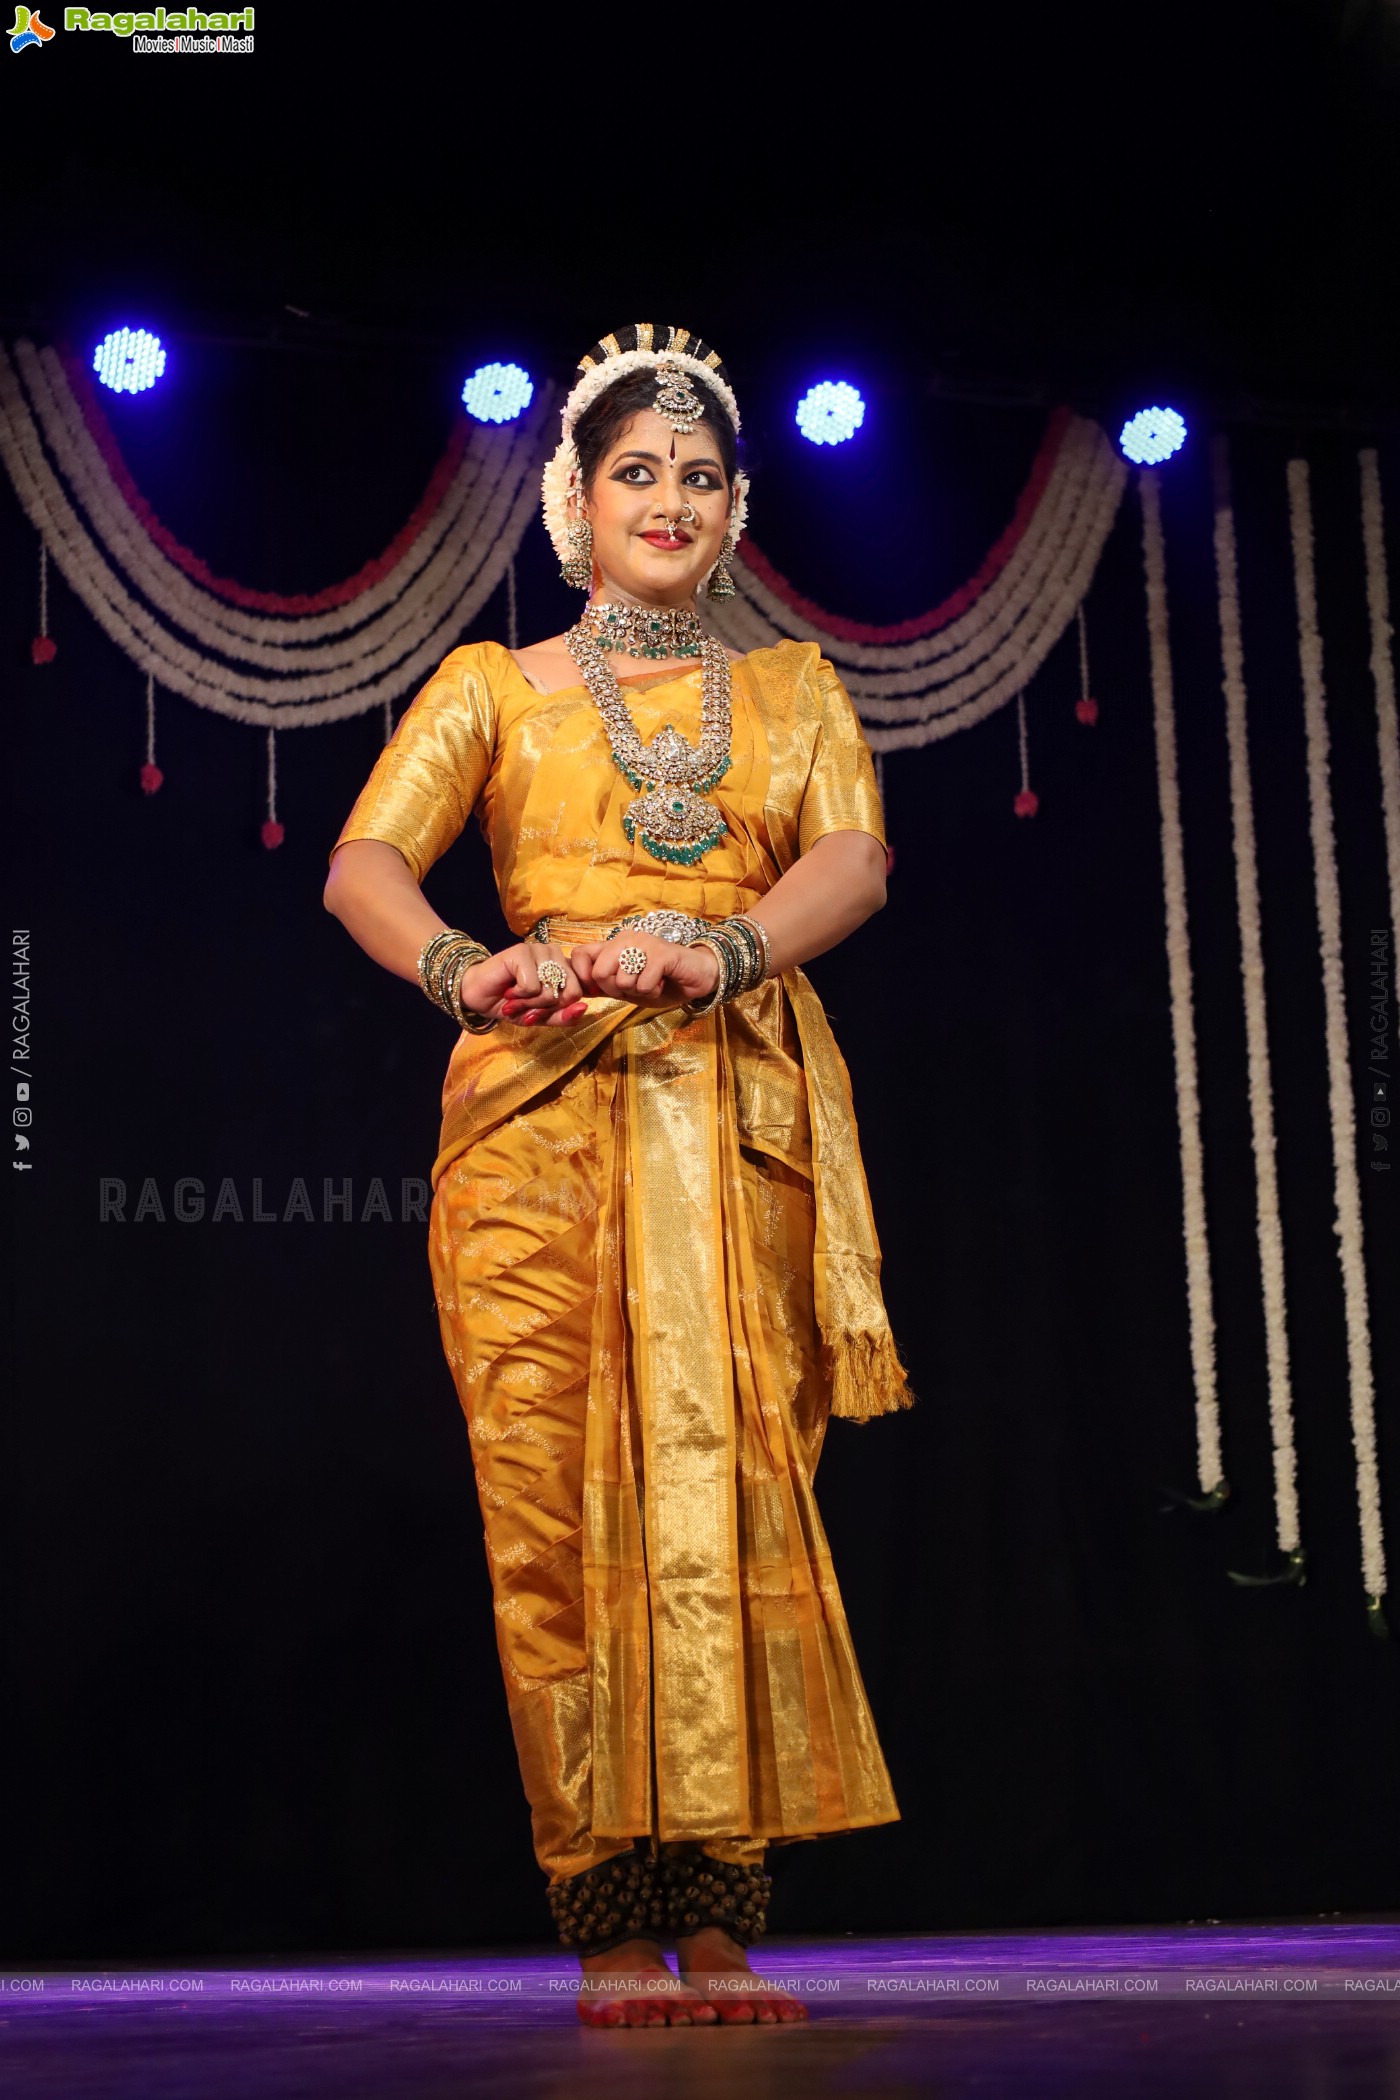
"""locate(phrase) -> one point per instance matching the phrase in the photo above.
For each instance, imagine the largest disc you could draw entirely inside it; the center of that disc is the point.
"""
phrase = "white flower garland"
(442, 612)
(223, 626)
(1347, 1225)
(456, 559)
(345, 659)
(1084, 458)
(1268, 1224)
(1383, 677)
(1188, 1105)
(1023, 638)
(931, 663)
(1003, 639)
(95, 583)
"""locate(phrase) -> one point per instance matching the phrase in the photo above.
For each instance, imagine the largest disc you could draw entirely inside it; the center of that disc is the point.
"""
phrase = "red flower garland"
(952, 607)
(237, 593)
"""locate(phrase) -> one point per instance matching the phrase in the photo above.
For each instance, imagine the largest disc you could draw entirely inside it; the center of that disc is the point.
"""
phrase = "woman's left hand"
(673, 971)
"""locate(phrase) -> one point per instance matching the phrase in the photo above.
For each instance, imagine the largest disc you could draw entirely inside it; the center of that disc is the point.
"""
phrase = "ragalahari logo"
(28, 30)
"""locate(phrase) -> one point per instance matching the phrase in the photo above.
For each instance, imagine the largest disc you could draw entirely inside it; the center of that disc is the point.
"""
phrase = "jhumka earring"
(721, 583)
(577, 565)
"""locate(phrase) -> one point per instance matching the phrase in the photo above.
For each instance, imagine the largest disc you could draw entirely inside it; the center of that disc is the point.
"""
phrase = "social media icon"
(24, 1115)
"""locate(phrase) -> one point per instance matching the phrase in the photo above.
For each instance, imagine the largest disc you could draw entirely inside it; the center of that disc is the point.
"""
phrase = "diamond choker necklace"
(642, 630)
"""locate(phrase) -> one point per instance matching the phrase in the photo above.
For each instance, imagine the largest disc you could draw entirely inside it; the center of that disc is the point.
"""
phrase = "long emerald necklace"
(672, 775)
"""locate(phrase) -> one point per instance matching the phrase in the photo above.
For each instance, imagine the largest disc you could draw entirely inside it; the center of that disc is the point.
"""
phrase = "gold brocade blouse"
(538, 772)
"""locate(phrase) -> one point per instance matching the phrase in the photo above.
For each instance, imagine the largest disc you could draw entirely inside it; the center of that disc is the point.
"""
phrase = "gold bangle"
(712, 999)
(443, 962)
(473, 1022)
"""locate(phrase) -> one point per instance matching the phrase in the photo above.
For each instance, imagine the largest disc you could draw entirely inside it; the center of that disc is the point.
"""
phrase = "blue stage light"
(1152, 435)
(830, 413)
(497, 393)
(129, 360)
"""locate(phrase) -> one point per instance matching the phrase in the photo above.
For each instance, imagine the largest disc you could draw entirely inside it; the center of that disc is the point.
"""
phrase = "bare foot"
(642, 1990)
(719, 1967)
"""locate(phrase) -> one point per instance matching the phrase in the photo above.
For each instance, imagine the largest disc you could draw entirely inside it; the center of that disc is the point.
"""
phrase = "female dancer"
(652, 1250)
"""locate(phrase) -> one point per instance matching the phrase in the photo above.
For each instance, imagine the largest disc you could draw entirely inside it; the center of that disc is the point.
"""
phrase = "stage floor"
(1274, 2010)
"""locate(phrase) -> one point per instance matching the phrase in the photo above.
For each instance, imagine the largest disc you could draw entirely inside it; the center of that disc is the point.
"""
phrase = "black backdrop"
(255, 1703)
(260, 1699)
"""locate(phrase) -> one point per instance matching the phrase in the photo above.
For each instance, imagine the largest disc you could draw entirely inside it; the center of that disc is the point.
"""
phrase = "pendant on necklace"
(674, 823)
(672, 818)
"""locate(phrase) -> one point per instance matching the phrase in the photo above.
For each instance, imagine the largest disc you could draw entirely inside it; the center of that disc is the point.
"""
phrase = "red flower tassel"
(1027, 802)
(272, 834)
(151, 779)
(1087, 711)
(43, 649)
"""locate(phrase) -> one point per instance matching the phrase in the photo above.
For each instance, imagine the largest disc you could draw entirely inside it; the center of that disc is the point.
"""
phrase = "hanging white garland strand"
(1086, 708)
(1269, 1228)
(1027, 801)
(1347, 1223)
(272, 832)
(1383, 677)
(1188, 1105)
(152, 778)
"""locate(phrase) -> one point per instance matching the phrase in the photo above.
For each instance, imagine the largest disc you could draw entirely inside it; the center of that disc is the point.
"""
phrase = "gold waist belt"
(560, 926)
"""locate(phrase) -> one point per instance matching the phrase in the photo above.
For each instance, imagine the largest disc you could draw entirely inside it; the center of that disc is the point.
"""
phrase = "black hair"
(597, 428)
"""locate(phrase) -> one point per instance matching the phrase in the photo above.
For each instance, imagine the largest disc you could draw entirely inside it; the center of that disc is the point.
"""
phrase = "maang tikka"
(676, 398)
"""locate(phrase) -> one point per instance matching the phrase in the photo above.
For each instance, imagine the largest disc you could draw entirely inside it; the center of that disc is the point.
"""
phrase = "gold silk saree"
(657, 1274)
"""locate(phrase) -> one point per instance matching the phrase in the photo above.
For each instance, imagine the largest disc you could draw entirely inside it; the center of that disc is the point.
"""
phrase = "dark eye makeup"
(627, 471)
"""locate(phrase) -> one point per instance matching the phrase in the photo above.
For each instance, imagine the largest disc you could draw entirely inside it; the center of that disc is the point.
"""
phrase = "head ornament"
(666, 352)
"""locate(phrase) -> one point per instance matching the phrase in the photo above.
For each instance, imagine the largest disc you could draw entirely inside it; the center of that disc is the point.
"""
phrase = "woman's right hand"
(507, 986)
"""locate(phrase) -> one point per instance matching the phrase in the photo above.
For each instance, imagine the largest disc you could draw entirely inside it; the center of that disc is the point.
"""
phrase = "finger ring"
(554, 975)
(631, 961)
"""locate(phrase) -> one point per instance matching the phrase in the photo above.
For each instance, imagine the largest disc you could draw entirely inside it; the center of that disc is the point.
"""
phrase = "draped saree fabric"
(656, 1273)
